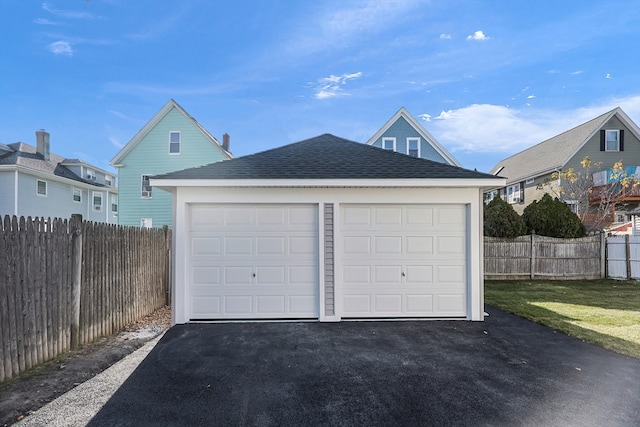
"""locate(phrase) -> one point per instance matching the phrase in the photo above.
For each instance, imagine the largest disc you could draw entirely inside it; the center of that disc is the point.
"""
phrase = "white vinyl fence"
(623, 257)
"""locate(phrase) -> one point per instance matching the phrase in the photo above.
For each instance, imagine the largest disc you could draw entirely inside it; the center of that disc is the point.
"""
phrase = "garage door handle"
(254, 274)
(403, 274)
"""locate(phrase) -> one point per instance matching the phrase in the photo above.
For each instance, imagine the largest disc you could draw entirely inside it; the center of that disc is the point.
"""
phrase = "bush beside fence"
(54, 298)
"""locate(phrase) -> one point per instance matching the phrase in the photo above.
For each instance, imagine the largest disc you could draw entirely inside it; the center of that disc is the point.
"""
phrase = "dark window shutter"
(621, 139)
(602, 139)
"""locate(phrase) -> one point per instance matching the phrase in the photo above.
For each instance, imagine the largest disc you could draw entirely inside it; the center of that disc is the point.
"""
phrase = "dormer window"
(612, 140)
(389, 144)
(91, 175)
(413, 147)
(108, 180)
(174, 142)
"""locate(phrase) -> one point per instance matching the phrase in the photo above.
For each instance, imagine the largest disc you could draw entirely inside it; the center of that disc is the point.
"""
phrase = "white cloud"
(490, 128)
(478, 35)
(426, 117)
(608, 76)
(445, 36)
(531, 96)
(60, 47)
(42, 21)
(116, 142)
(329, 87)
(575, 73)
(73, 14)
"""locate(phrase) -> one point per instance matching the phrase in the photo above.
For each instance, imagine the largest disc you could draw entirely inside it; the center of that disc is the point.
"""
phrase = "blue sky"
(486, 78)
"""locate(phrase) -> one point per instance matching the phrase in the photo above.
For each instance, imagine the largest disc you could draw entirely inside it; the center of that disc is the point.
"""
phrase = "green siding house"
(172, 140)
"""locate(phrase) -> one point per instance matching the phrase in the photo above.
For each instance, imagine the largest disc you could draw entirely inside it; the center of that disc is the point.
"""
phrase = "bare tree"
(594, 193)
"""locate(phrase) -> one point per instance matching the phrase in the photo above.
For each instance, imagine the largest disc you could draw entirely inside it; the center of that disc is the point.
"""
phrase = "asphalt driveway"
(504, 371)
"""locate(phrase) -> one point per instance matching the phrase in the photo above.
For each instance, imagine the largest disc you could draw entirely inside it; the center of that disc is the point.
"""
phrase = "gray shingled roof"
(551, 154)
(326, 157)
(26, 155)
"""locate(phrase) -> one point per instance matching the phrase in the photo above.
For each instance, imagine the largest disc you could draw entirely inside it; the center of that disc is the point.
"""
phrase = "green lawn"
(602, 312)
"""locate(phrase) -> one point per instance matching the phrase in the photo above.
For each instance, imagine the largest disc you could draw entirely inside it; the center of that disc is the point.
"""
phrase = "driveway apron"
(504, 371)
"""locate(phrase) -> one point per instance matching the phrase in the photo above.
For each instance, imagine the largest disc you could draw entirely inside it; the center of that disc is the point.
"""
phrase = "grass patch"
(602, 312)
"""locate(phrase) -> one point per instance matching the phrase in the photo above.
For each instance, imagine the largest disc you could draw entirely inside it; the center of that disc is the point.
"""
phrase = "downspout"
(15, 194)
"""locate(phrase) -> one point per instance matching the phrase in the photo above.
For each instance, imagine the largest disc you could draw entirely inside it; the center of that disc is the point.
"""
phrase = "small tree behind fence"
(64, 283)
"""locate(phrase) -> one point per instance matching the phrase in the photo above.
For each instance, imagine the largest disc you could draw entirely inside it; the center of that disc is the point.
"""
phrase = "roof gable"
(157, 118)
(402, 113)
(325, 157)
(554, 153)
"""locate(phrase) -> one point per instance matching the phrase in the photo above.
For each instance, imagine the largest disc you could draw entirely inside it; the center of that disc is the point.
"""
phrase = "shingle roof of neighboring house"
(326, 157)
(138, 137)
(554, 153)
(26, 155)
(430, 139)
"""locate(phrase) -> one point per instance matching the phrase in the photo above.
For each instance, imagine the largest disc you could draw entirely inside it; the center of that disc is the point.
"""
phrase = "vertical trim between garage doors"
(329, 281)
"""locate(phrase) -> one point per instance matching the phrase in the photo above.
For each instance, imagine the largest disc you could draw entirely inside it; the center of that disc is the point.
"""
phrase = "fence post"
(76, 275)
(627, 255)
(603, 256)
(533, 254)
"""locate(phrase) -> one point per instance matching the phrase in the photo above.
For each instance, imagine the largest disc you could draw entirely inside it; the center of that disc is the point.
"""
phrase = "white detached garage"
(327, 229)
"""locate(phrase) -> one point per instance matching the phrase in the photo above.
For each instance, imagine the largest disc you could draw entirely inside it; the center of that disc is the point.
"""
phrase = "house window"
(146, 187)
(91, 175)
(114, 205)
(529, 181)
(612, 140)
(77, 195)
(514, 194)
(488, 197)
(573, 205)
(389, 143)
(174, 142)
(146, 222)
(413, 147)
(97, 201)
(41, 188)
(107, 180)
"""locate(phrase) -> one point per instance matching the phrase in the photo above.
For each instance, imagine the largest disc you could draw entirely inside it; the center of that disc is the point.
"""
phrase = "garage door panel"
(388, 303)
(419, 304)
(254, 261)
(389, 274)
(206, 275)
(357, 274)
(397, 261)
(206, 246)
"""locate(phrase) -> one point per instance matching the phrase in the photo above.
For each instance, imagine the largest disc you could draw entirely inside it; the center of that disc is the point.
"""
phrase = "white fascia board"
(337, 183)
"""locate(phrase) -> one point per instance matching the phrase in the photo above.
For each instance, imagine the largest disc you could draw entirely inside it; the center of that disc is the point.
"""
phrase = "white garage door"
(404, 260)
(253, 261)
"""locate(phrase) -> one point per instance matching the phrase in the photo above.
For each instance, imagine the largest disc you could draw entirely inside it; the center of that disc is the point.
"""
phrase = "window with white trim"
(514, 194)
(108, 180)
(41, 188)
(91, 175)
(413, 147)
(146, 187)
(612, 140)
(573, 205)
(389, 144)
(97, 201)
(174, 142)
(530, 181)
(114, 205)
(77, 195)
(146, 222)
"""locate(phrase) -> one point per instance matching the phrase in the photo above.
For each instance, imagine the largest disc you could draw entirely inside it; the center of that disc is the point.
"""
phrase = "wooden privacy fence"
(623, 257)
(64, 283)
(528, 257)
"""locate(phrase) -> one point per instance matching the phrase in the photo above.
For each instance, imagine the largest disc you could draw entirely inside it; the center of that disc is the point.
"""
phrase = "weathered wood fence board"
(526, 257)
(123, 277)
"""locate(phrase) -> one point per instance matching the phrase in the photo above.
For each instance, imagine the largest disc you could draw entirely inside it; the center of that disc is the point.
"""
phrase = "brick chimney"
(42, 143)
(225, 141)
